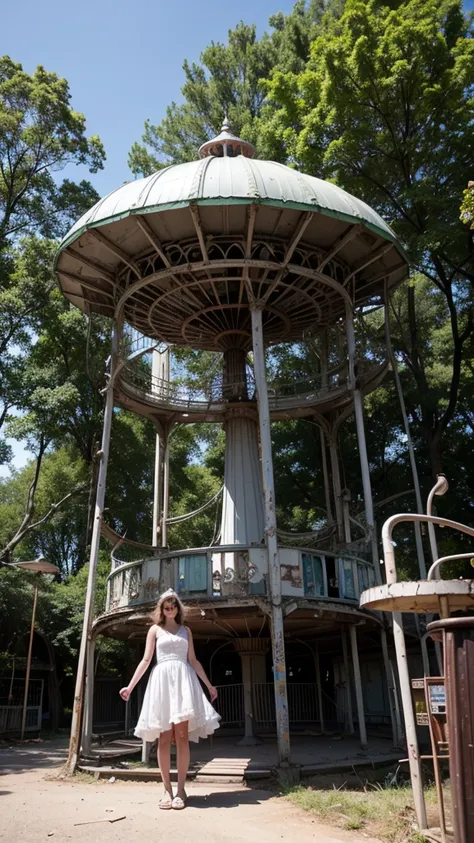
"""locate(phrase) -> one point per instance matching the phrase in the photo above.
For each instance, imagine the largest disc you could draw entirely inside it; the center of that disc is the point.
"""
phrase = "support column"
(76, 721)
(411, 451)
(274, 574)
(89, 698)
(363, 456)
(345, 656)
(157, 489)
(319, 690)
(396, 727)
(336, 481)
(358, 687)
(327, 491)
(166, 488)
(410, 725)
(252, 652)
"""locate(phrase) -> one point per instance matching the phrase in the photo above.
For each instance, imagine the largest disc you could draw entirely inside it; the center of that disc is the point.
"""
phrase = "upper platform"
(182, 255)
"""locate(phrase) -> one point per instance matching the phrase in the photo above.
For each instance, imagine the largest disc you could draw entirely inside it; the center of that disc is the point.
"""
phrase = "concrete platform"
(222, 759)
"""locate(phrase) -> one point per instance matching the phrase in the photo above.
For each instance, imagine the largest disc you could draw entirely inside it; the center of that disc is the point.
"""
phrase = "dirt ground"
(38, 806)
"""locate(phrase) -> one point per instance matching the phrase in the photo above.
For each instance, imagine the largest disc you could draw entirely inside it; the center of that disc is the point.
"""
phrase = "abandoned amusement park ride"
(235, 255)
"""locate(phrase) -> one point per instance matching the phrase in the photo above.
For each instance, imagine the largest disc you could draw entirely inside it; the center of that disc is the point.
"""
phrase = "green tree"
(228, 81)
(384, 106)
(40, 134)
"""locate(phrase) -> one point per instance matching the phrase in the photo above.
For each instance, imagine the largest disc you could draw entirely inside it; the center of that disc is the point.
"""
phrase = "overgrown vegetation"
(375, 95)
(387, 813)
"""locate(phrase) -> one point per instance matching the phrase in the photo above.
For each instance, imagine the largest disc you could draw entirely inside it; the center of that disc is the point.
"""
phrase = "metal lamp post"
(39, 566)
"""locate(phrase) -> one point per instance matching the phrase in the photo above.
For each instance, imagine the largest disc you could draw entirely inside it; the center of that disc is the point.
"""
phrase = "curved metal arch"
(245, 263)
(236, 306)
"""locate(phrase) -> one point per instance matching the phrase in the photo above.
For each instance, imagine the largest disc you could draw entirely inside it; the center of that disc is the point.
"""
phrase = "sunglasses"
(170, 606)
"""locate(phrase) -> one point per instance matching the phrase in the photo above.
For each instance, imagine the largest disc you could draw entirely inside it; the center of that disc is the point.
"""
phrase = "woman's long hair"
(157, 615)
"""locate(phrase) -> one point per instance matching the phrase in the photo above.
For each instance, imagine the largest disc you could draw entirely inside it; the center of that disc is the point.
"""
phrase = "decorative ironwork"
(205, 303)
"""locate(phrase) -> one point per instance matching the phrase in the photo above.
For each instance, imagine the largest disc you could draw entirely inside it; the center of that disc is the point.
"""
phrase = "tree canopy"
(375, 95)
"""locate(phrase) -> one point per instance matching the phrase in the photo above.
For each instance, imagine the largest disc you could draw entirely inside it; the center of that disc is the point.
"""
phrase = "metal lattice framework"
(201, 298)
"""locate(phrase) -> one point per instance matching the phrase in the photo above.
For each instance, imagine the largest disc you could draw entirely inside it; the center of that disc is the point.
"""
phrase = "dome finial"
(226, 144)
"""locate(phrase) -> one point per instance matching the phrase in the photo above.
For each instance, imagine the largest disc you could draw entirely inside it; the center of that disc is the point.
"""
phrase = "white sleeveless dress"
(174, 694)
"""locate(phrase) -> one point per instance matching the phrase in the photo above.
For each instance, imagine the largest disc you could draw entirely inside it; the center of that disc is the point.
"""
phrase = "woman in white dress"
(174, 706)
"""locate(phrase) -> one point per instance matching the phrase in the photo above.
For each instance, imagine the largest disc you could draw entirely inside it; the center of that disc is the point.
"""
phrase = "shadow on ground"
(228, 799)
(20, 758)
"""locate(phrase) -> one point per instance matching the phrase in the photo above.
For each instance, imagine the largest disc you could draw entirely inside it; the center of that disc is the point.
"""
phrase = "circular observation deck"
(183, 255)
(139, 391)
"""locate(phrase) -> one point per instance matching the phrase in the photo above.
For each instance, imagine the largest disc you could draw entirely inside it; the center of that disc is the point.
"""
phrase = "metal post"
(94, 555)
(358, 687)
(411, 451)
(363, 456)
(396, 727)
(156, 491)
(336, 480)
(324, 463)
(166, 489)
(365, 471)
(28, 662)
(274, 579)
(319, 690)
(89, 698)
(409, 717)
(345, 656)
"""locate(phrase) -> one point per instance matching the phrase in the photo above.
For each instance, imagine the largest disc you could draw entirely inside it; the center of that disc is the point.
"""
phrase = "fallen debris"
(106, 820)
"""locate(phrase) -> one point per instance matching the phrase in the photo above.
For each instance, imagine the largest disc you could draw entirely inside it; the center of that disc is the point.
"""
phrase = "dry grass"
(387, 813)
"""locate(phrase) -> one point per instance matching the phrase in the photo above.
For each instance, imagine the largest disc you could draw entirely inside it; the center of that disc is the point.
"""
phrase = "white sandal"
(178, 804)
(166, 802)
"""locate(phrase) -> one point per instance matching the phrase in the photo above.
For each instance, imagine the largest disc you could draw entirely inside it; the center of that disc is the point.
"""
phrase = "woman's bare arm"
(144, 664)
(198, 666)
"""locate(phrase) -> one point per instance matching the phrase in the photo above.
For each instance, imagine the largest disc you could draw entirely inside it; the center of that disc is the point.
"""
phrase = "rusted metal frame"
(314, 275)
(115, 250)
(381, 277)
(152, 238)
(105, 273)
(281, 316)
(89, 696)
(196, 217)
(252, 214)
(411, 451)
(390, 523)
(261, 281)
(225, 264)
(300, 230)
(167, 293)
(348, 689)
(396, 727)
(379, 253)
(436, 768)
(207, 313)
(77, 712)
(28, 659)
(274, 579)
(414, 759)
(346, 238)
(455, 736)
(87, 286)
(358, 686)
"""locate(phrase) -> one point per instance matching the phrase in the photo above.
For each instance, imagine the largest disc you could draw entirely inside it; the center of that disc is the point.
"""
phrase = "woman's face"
(170, 609)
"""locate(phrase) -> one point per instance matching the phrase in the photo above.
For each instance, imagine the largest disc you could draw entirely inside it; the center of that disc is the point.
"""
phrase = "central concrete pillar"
(242, 505)
(252, 652)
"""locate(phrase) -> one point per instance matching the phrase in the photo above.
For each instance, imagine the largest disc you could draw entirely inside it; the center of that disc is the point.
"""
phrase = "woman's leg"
(182, 751)
(164, 763)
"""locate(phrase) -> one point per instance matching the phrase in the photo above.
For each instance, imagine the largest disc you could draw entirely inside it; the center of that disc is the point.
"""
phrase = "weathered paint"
(274, 579)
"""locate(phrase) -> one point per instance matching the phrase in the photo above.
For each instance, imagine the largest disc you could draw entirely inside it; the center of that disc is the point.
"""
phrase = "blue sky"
(123, 60)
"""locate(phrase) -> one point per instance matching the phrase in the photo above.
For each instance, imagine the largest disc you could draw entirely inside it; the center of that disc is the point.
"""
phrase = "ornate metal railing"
(216, 392)
(235, 571)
